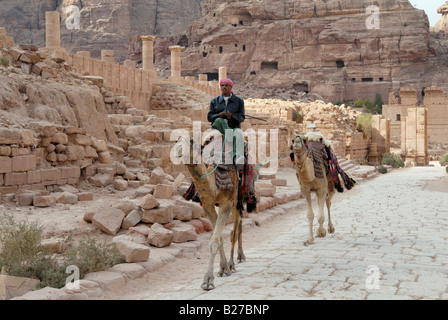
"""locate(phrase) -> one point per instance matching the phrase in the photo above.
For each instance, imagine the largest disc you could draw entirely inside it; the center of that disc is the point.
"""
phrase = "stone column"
(176, 65)
(52, 29)
(148, 52)
(203, 79)
(108, 55)
(222, 73)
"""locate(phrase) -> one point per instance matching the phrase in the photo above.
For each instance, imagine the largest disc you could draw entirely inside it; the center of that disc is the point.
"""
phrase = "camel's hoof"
(208, 286)
(241, 258)
(308, 242)
(232, 266)
(224, 271)
(321, 232)
(208, 283)
(331, 229)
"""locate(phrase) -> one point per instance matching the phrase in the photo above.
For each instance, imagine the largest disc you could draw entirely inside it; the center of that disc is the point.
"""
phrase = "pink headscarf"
(226, 80)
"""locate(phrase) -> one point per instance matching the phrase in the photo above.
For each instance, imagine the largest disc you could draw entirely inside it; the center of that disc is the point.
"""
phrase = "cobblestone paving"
(390, 243)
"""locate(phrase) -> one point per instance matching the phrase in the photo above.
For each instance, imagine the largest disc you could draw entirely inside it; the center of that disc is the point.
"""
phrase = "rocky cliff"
(340, 49)
(102, 25)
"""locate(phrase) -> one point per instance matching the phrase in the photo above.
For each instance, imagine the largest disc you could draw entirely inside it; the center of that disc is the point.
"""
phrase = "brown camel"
(323, 187)
(210, 195)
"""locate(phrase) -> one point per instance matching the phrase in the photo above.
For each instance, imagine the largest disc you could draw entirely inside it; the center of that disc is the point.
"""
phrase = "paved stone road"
(390, 243)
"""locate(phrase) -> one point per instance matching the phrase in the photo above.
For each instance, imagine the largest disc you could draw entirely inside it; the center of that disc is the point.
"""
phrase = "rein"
(302, 151)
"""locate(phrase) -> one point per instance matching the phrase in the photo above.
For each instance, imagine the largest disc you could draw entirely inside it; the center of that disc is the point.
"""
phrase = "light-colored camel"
(323, 187)
(210, 196)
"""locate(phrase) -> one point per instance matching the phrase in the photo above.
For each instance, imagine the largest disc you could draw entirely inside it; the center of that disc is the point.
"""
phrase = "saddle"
(246, 179)
(321, 152)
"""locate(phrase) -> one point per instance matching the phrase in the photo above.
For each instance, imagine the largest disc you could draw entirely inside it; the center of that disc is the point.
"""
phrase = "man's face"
(226, 89)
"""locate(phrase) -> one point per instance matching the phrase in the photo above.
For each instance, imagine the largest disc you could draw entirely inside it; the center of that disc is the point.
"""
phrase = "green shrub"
(392, 160)
(297, 116)
(21, 242)
(444, 159)
(4, 61)
(91, 255)
(364, 123)
(382, 169)
(446, 169)
(22, 254)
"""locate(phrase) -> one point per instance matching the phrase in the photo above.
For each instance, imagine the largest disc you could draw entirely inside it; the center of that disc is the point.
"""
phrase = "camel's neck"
(303, 164)
(201, 177)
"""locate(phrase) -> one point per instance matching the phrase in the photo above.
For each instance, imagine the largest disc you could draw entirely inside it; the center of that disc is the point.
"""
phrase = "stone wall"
(434, 99)
(46, 156)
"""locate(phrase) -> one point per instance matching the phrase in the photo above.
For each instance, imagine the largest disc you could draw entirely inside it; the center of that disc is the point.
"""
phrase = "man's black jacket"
(235, 106)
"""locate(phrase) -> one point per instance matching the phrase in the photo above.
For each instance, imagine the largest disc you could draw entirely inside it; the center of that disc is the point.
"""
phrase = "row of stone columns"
(53, 41)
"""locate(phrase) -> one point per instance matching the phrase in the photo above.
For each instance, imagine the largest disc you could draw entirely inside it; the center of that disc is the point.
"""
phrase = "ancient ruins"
(73, 126)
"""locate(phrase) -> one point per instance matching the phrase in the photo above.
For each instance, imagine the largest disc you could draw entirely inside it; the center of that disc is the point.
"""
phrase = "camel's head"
(298, 143)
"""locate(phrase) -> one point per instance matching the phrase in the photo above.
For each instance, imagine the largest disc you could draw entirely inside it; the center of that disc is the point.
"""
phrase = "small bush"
(392, 160)
(382, 169)
(297, 116)
(444, 159)
(364, 123)
(91, 255)
(446, 169)
(22, 255)
(4, 61)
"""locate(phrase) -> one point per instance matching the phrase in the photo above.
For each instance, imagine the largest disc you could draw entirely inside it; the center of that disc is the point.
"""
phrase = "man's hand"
(222, 115)
(229, 115)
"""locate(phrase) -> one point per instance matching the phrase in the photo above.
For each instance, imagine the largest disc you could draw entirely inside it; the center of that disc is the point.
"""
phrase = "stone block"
(159, 237)
(163, 191)
(27, 137)
(54, 245)
(108, 220)
(5, 164)
(70, 172)
(182, 213)
(9, 136)
(85, 196)
(148, 202)
(162, 214)
(102, 179)
(120, 184)
(44, 201)
(11, 287)
(24, 163)
(132, 219)
(51, 174)
(131, 251)
(15, 178)
(75, 152)
(183, 233)
(59, 138)
(34, 177)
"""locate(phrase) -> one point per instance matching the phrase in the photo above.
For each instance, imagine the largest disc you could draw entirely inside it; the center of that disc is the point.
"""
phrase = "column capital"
(176, 48)
(147, 38)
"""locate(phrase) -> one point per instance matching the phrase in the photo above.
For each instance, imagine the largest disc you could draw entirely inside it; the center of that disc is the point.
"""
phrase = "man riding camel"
(227, 112)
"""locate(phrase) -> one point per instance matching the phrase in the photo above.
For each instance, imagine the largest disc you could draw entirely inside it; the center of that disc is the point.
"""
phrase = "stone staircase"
(356, 171)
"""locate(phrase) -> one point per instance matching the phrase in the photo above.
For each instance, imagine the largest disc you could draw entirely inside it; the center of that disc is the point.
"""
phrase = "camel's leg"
(223, 215)
(234, 237)
(215, 246)
(321, 196)
(241, 256)
(309, 215)
(330, 224)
